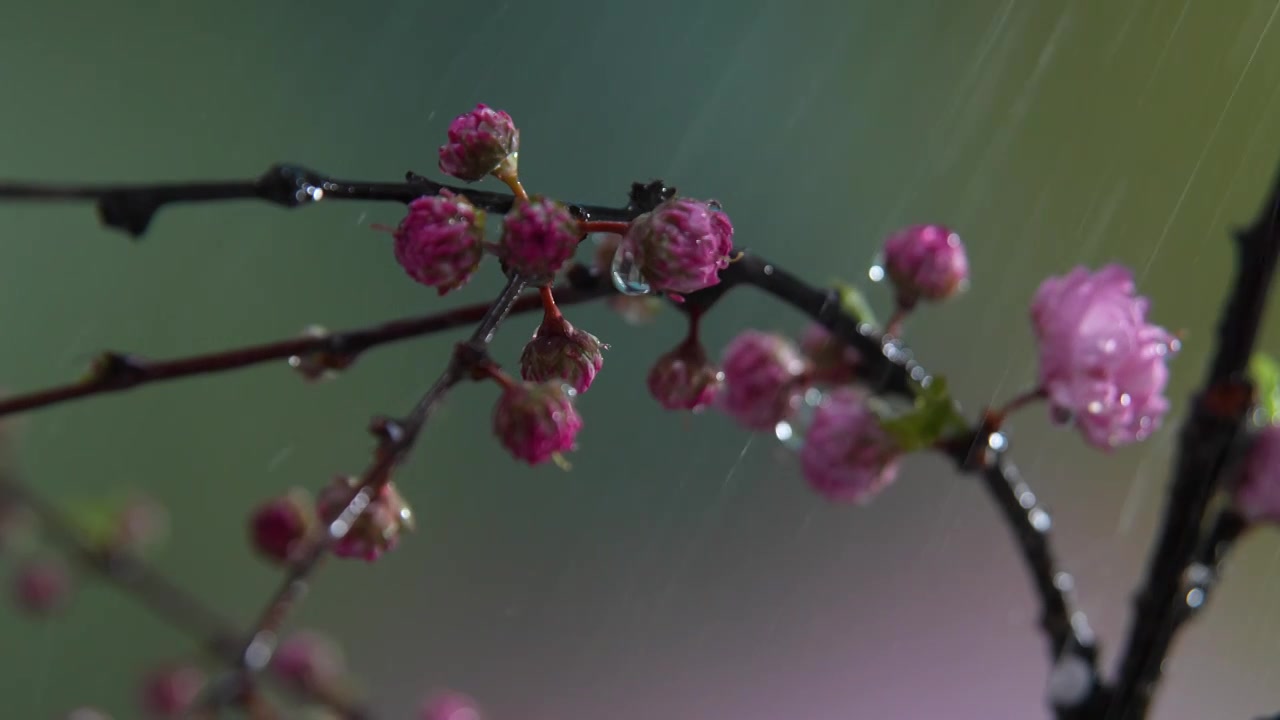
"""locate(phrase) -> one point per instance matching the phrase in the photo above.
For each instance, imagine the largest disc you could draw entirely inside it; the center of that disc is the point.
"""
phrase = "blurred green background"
(681, 569)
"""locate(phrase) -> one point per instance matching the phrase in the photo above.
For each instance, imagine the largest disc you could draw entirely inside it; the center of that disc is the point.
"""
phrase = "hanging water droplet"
(625, 272)
(791, 431)
(715, 206)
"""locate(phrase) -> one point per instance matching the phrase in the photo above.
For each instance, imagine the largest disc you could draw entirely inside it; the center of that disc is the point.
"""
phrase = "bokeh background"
(681, 569)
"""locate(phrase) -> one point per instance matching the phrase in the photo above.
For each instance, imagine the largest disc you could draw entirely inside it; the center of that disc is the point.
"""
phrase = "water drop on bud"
(791, 431)
(624, 270)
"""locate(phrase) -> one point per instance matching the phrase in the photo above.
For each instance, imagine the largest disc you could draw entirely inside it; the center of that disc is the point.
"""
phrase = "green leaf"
(1264, 371)
(853, 302)
(933, 416)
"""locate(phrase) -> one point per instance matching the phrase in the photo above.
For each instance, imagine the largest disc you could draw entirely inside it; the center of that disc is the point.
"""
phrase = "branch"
(115, 372)
(131, 207)
(1205, 446)
(168, 601)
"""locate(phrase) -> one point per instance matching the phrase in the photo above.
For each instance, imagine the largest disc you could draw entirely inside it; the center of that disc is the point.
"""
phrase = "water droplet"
(1040, 520)
(320, 365)
(1094, 407)
(715, 206)
(1195, 598)
(625, 272)
(1069, 681)
(1126, 399)
(791, 431)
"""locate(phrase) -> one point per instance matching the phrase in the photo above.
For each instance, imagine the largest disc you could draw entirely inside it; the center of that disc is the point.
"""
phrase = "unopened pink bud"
(682, 245)
(439, 242)
(377, 530)
(535, 421)
(308, 660)
(831, 360)
(925, 262)
(560, 351)
(539, 237)
(168, 693)
(684, 379)
(1257, 492)
(280, 528)
(847, 456)
(41, 586)
(481, 142)
(762, 373)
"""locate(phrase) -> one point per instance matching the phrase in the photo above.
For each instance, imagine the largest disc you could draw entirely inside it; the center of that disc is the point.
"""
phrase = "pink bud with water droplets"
(684, 379)
(847, 456)
(168, 693)
(560, 351)
(762, 379)
(481, 142)
(307, 660)
(41, 586)
(682, 245)
(1257, 491)
(450, 706)
(535, 421)
(831, 360)
(280, 528)
(539, 236)
(377, 530)
(1101, 363)
(925, 262)
(440, 242)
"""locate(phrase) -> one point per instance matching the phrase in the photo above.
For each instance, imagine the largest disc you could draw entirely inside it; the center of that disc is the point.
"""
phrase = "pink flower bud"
(535, 421)
(539, 237)
(762, 373)
(41, 586)
(925, 262)
(308, 660)
(482, 141)
(377, 529)
(170, 692)
(560, 351)
(439, 242)
(846, 456)
(450, 706)
(682, 245)
(280, 528)
(1101, 362)
(684, 379)
(1257, 492)
(831, 360)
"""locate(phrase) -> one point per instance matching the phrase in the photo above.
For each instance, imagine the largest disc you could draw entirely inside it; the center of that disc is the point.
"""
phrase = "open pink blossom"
(535, 421)
(682, 245)
(481, 141)
(1257, 493)
(846, 456)
(439, 242)
(1101, 363)
(761, 378)
(539, 236)
(925, 262)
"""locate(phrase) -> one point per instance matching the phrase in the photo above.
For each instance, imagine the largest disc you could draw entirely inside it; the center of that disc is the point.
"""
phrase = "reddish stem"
(550, 311)
(995, 418)
(899, 316)
(605, 226)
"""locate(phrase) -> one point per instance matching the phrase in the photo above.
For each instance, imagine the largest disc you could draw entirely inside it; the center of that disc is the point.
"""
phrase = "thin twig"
(1217, 417)
(115, 372)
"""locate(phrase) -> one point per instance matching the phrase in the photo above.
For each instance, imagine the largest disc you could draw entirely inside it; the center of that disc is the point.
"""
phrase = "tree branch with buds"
(1102, 370)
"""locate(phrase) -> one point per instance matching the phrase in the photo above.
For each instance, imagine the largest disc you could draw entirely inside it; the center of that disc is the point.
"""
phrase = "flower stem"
(512, 180)
(995, 418)
(550, 311)
(616, 227)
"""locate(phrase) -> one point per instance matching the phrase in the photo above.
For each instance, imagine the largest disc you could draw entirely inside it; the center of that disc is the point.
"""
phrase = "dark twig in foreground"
(1216, 418)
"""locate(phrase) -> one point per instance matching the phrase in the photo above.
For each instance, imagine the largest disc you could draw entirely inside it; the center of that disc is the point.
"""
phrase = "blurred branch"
(1205, 445)
(115, 372)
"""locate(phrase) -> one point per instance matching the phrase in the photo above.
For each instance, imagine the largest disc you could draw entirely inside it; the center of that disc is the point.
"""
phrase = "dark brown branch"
(115, 372)
(1205, 445)
(131, 207)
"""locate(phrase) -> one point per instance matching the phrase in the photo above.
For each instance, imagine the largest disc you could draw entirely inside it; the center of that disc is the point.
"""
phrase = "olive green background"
(681, 569)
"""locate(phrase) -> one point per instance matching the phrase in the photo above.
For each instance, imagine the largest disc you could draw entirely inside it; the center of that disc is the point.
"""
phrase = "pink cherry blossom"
(482, 141)
(439, 242)
(761, 378)
(1101, 363)
(925, 262)
(846, 456)
(682, 245)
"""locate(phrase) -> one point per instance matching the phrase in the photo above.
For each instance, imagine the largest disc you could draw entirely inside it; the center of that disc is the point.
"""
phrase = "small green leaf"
(933, 416)
(853, 302)
(1264, 371)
